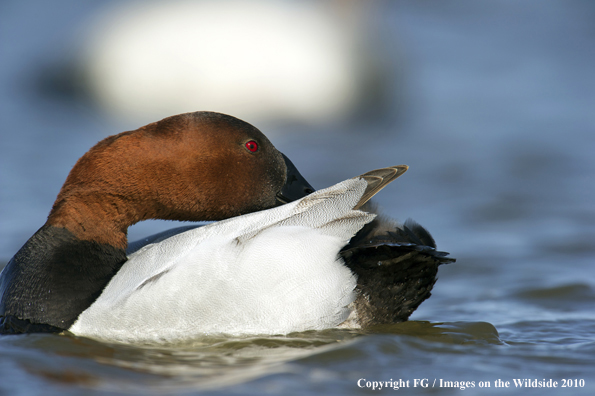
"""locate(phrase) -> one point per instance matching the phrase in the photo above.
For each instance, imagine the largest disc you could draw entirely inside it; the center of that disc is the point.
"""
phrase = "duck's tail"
(395, 268)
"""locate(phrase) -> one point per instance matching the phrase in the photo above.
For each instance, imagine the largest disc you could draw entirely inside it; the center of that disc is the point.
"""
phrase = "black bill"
(295, 187)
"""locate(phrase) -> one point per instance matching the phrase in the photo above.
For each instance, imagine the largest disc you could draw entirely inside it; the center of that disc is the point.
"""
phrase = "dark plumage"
(396, 268)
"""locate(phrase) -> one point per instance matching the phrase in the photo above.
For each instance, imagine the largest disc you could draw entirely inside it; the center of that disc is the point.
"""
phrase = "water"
(495, 118)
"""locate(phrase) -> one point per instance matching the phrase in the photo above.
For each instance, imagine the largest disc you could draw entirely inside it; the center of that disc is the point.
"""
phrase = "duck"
(278, 257)
(130, 65)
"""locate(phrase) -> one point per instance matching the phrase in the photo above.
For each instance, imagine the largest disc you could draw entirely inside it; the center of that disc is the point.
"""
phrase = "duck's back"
(271, 272)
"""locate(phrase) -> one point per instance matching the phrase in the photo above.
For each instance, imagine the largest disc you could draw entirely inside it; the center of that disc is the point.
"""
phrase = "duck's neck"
(65, 266)
(102, 218)
(56, 276)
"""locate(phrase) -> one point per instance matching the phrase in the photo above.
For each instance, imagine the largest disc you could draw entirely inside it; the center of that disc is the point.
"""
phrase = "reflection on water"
(337, 358)
(216, 362)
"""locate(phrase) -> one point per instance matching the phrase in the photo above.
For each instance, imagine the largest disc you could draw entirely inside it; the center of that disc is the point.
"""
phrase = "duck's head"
(194, 166)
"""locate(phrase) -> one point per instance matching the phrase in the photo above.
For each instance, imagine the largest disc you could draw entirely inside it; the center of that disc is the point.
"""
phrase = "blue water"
(492, 107)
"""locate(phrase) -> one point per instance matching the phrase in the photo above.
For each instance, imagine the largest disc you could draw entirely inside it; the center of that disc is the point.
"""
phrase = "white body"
(261, 60)
(270, 272)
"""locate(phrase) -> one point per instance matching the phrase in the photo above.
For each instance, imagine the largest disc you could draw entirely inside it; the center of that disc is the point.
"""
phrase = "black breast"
(52, 279)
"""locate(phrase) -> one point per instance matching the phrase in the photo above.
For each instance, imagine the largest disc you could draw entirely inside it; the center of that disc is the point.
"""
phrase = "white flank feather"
(270, 272)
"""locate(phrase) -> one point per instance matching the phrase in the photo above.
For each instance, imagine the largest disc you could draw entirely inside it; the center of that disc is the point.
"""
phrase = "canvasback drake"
(281, 260)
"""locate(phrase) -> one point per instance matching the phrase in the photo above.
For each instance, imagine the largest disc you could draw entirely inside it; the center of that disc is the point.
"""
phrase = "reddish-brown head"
(194, 166)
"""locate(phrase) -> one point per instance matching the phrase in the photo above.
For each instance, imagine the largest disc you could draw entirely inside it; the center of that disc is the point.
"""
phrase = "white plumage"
(270, 272)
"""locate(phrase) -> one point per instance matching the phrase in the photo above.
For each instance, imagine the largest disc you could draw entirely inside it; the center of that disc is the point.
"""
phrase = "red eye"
(252, 146)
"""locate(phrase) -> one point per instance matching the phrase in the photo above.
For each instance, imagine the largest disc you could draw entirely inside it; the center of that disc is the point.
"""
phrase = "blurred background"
(491, 104)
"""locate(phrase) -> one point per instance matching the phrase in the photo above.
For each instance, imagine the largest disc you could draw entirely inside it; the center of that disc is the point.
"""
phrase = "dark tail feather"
(395, 270)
